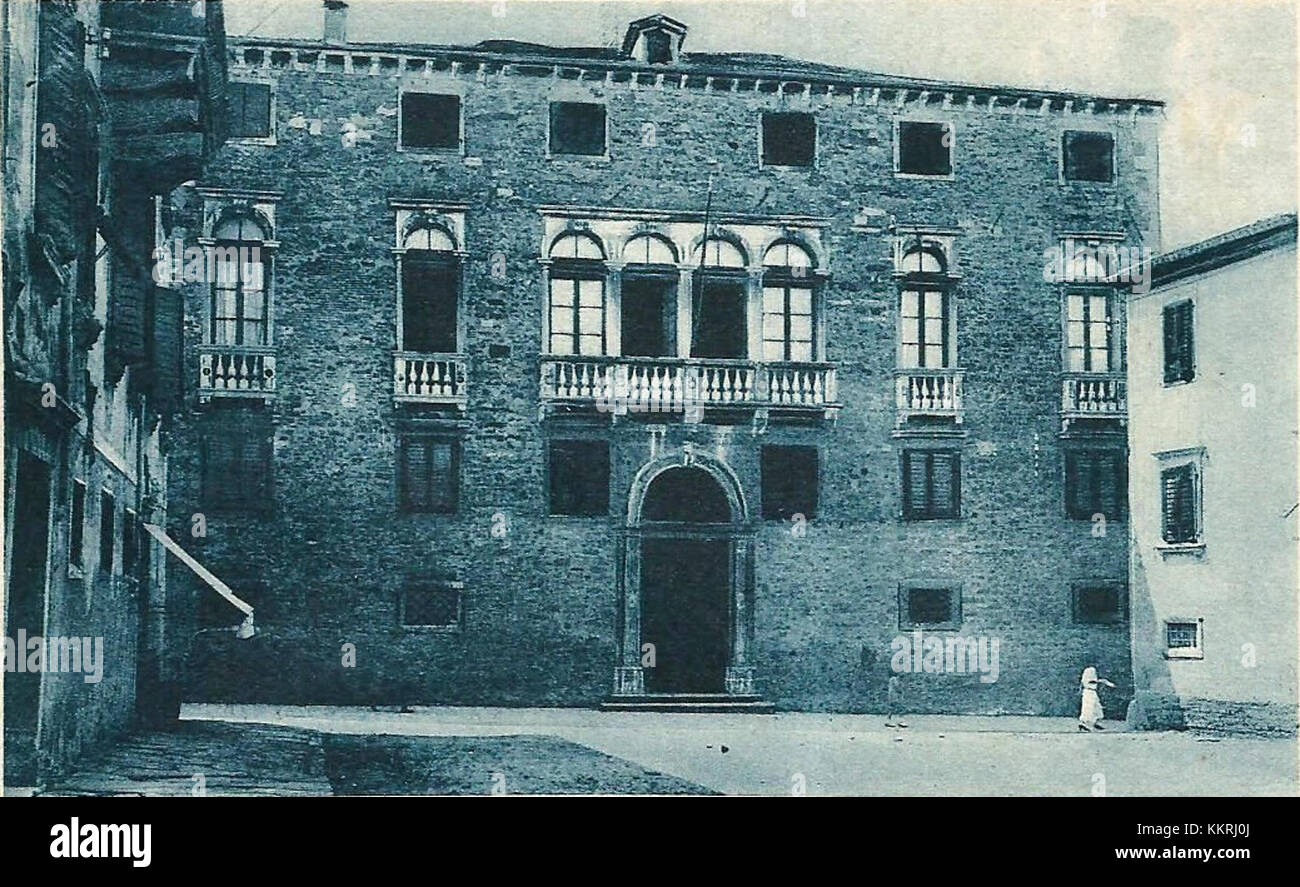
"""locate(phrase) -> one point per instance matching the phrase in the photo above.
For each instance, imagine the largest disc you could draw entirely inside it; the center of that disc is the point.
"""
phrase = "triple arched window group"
(652, 302)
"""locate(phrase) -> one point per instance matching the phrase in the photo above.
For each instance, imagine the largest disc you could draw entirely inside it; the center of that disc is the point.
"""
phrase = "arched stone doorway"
(686, 582)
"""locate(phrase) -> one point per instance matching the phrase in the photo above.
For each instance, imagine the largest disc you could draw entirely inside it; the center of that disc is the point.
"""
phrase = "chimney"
(336, 21)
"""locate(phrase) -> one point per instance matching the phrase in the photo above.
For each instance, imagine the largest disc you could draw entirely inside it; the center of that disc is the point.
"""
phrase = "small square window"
(1183, 639)
(932, 605)
(435, 607)
(1098, 603)
(429, 474)
(924, 149)
(250, 110)
(789, 482)
(577, 128)
(579, 477)
(789, 139)
(430, 121)
(107, 531)
(1089, 156)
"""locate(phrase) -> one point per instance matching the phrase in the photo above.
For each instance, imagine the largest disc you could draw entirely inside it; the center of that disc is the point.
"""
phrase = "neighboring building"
(103, 104)
(488, 420)
(1212, 394)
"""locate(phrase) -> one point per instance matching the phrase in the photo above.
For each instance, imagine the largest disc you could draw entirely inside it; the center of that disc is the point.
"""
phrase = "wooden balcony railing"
(236, 371)
(429, 378)
(675, 384)
(928, 392)
(1094, 396)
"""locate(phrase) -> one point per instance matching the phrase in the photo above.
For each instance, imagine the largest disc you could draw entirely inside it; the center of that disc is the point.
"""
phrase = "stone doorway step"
(699, 703)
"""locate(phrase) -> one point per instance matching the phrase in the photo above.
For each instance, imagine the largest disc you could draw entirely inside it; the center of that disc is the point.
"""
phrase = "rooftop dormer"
(655, 39)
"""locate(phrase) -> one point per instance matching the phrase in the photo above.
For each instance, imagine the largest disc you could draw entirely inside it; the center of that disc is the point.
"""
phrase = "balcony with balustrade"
(246, 371)
(691, 387)
(1093, 397)
(928, 394)
(438, 379)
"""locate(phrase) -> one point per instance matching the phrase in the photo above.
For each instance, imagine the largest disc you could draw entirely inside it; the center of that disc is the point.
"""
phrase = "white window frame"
(1196, 652)
(1169, 459)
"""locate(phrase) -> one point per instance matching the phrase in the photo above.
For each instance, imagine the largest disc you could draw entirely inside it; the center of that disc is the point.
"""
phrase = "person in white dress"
(1090, 712)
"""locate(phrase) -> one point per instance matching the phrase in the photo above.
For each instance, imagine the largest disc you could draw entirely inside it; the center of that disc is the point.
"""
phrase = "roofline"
(849, 77)
(1239, 244)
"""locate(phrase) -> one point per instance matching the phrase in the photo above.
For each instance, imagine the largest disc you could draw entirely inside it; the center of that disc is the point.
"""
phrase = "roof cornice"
(866, 87)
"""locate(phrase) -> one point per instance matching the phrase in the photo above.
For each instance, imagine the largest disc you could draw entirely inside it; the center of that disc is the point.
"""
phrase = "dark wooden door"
(685, 591)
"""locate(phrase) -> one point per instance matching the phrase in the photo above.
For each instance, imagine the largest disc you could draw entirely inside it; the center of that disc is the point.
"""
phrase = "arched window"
(649, 249)
(649, 297)
(430, 292)
(788, 316)
(925, 310)
(240, 283)
(721, 253)
(576, 316)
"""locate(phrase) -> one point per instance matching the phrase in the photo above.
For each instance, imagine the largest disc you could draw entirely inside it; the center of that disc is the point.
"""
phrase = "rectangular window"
(649, 313)
(1096, 482)
(929, 605)
(1180, 496)
(430, 121)
(789, 482)
(107, 532)
(931, 484)
(77, 525)
(430, 291)
(787, 323)
(719, 329)
(1180, 355)
(579, 477)
(924, 149)
(250, 110)
(1100, 603)
(1184, 640)
(239, 303)
(1089, 324)
(577, 316)
(237, 469)
(435, 607)
(577, 128)
(925, 335)
(789, 139)
(429, 474)
(1088, 156)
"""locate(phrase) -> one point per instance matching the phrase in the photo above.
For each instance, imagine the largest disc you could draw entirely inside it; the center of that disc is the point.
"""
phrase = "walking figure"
(1090, 713)
(894, 701)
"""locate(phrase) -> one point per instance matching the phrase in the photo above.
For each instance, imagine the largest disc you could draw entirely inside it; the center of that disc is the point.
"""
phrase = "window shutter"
(1179, 504)
(166, 345)
(914, 485)
(945, 482)
(66, 171)
(257, 110)
(1179, 351)
(415, 474)
(1073, 505)
(235, 96)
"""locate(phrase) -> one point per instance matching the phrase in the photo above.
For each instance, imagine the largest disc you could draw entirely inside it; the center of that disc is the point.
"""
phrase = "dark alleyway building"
(106, 106)
(566, 376)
